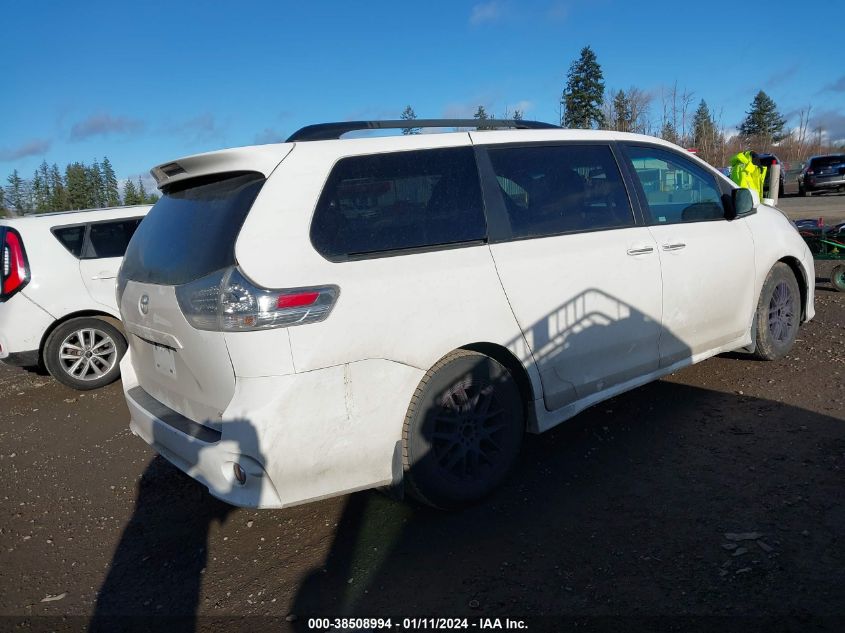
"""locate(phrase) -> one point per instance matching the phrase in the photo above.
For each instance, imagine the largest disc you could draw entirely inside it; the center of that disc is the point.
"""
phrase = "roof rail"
(327, 131)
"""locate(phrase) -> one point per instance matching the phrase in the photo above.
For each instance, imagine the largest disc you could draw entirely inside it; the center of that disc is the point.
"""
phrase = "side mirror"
(744, 203)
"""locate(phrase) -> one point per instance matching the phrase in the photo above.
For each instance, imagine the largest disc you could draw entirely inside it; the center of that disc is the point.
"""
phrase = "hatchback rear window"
(191, 230)
(828, 162)
(382, 203)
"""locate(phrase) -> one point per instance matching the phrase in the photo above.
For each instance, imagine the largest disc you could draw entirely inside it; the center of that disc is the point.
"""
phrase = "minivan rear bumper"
(198, 450)
(298, 437)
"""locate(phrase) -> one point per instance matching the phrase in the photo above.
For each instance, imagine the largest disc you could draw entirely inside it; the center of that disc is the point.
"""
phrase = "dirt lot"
(631, 510)
(830, 206)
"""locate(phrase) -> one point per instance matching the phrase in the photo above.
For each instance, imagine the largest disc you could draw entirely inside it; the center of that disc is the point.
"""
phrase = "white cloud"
(486, 12)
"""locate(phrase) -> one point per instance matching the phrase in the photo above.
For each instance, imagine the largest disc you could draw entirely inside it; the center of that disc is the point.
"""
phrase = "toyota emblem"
(144, 304)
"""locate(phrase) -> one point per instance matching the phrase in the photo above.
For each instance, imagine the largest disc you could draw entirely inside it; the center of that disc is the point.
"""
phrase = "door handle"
(103, 276)
(674, 247)
(642, 250)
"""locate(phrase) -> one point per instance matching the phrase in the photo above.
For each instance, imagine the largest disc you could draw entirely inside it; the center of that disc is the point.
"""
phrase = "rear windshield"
(191, 230)
(826, 162)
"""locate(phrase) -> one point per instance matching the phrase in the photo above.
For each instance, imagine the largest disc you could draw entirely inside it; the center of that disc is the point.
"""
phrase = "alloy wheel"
(87, 354)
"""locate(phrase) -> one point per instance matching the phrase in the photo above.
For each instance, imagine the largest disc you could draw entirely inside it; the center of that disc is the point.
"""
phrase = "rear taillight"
(14, 266)
(809, 172)
(227, 301)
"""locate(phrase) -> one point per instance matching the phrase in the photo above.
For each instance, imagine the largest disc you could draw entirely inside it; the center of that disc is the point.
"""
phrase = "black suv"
(822, 173)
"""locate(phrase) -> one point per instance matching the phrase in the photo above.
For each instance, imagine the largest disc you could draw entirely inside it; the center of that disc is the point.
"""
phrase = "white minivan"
(332, 314)
(57, 305)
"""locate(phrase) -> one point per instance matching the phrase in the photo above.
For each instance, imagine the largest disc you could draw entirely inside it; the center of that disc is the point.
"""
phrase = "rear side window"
(552, 189)
(390, 202)
(191, 230)
(110, 239)
(675, 188)
(72, 238)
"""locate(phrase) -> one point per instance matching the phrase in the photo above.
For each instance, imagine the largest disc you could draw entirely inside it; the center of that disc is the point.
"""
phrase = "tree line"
(586, 103)
(78, 186)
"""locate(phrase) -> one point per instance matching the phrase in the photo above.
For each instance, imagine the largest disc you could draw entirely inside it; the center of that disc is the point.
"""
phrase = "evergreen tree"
(622, 113)
(44, 174)
(142, 192)
(670, 133)
(77, 183)
(705, 136)
(15, 193)
(763, 123)
(58, 193)
(2, 201)
(130, 194)
(96, 186)
(584, 93)
(111, 194)
(40, 193)
(408, 114)
(481, 115)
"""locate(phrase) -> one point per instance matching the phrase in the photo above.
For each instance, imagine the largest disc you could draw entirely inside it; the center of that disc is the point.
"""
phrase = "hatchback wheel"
(463, 430)
(84, 353)
(778, 313)
(837, 277)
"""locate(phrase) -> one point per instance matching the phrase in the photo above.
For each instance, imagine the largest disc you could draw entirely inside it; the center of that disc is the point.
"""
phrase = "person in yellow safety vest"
(747, 172)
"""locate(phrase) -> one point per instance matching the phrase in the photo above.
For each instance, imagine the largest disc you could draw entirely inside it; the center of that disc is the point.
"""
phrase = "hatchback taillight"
(14, 266)
(227, 301)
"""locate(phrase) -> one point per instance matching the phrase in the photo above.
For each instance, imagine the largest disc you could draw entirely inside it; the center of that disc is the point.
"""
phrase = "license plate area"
(164, 359)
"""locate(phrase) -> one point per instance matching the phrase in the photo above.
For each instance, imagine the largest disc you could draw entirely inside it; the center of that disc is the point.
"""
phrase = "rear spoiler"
(258, 158)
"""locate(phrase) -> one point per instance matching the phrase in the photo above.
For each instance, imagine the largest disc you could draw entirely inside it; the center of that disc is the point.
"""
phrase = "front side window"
(553, 189)
(675, 188)
(403, 200)
(110, 239)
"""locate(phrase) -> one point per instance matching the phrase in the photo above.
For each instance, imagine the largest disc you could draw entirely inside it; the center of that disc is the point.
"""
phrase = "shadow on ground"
(623, 511)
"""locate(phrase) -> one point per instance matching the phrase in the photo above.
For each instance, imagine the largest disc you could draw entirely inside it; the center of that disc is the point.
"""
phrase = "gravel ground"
(717, 491)
(830, 206)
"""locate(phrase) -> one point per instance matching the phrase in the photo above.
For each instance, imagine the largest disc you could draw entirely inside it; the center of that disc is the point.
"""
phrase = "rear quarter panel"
(55, 284)
(411, 309)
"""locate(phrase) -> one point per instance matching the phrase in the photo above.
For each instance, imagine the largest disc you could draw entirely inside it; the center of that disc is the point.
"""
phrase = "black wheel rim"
(469, 431)
(781, 313)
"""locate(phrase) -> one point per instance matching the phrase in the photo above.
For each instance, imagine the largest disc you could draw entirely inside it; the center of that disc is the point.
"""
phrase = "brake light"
(227, 301)
(14, 266)
(809, 172)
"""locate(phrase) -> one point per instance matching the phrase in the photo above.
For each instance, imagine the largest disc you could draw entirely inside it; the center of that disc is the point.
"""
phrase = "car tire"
(778, 314)
(801, 191)
(837, 277)
(463, 431)
(84, 353)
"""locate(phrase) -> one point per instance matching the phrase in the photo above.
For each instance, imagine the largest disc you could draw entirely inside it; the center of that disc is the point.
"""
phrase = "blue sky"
(144, 83)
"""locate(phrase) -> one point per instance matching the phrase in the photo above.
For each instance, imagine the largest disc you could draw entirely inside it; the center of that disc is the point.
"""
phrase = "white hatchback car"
(327, 315)
(57, 307)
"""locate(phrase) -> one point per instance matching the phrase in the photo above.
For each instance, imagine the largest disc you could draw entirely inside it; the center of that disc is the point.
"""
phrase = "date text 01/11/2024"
(415, 624)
